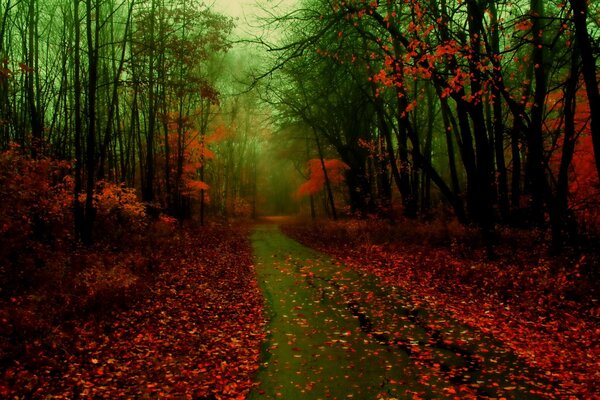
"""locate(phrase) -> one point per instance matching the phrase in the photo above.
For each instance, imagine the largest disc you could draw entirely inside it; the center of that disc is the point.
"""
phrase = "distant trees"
(487, 108)
(471, 94)
(120, 87)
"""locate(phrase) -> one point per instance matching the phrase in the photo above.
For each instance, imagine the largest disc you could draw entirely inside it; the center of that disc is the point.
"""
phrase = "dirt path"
(337, 334)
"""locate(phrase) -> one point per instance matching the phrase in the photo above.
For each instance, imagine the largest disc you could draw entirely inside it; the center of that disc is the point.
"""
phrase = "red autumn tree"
(316, 182)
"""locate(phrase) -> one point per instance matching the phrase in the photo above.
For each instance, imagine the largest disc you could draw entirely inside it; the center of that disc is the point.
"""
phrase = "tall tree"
(589, 69)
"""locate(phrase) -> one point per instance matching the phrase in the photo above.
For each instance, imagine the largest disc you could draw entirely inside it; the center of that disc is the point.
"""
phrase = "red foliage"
(335, 173)
(584, 186)
(584, 183)
(148, 311)
(194, 153)
(36, 199)
(194, 333)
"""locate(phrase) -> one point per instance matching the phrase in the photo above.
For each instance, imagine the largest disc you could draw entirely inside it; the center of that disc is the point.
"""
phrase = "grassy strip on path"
(543, 309)
(336, 333)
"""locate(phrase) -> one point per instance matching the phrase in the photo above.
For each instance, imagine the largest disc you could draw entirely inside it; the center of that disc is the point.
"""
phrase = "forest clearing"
(299, 199)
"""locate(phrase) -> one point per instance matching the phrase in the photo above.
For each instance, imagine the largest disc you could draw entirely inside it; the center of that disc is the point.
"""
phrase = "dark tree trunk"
(535, 168)
(77, 206)
(90, 162)
(588, 66)
(498, 124)
(33, 106)
(114, 99)
(327, 183)
(148, 186)
(563, 225)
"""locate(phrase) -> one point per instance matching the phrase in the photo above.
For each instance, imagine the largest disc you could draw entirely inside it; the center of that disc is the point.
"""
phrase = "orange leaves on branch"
(5, 71)
(220, 133)
(36, 196)
(409, 107)
(448, 48)
(194, 188)
(524, 25)
(24, 68)
(383, 78)
(111, 198)
(189, 144)
(335, 173)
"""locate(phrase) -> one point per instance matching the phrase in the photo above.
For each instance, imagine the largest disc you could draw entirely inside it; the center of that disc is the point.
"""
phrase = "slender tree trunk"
(384, 128)
(536, 177)
(114, 97)
(4, 94)
(563, 226)
(93, 45)
(77, 206)
(498, 124)
(409, 198)
(148, 186)
(327, 183)
(515, 180)
(450, 127)
(426, 185)
(203, 130)
(313, 215)
(483, 189)
(589, 67)
(36, 124)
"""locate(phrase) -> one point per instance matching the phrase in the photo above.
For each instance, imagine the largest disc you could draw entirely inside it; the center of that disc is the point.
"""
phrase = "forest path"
(336, 334)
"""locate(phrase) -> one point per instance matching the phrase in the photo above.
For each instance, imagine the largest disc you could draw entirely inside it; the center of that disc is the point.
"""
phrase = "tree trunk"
(327, 183)
(588, 64)
(92, 39)
(498, 124)
(77, 206)
(36, 123)
(563, 226)
(535, 167)
(114, 97)
(148, 186)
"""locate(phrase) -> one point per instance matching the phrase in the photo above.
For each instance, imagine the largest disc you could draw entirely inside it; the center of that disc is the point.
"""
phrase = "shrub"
(119, 212)
(36, 212)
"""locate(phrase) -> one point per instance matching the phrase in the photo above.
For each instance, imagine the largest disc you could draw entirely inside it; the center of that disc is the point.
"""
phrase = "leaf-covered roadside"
(544, 309)
(194, 333)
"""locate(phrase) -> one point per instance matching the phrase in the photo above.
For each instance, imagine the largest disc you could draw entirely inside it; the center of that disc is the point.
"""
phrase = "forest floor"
(371, 314)
(543, 308)
(193, 330)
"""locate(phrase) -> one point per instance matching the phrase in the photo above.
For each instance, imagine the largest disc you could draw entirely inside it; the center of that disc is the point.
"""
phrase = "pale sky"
(234, 8)
(245, 12)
